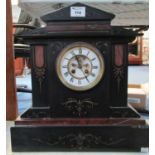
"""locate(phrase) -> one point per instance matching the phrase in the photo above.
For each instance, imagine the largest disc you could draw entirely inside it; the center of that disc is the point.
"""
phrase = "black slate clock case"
(63, 119)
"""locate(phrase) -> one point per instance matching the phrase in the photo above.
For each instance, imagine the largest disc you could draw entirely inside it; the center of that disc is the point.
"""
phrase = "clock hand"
(84, 75)
(79, 62)
(80, 67)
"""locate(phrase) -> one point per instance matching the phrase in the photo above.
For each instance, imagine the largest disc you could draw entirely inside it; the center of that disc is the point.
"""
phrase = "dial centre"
(80, 66)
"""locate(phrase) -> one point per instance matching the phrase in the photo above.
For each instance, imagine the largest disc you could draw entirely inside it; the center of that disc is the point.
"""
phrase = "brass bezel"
(61, 56)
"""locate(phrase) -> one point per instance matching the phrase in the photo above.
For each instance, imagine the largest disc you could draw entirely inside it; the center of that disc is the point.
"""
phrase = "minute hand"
(79, 62)
(84, 75)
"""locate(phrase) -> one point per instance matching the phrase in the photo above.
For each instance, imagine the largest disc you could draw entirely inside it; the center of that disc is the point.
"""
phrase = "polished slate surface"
(9, 152)
(136, 75)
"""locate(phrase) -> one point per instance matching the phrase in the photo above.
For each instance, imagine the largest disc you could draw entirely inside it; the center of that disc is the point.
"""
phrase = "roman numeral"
(88, 53)
(94, 67)
(66, 73)
(73, 54)
(92, 74)
(72, 79)
(80, 51)
(65, 66)
(93, 59)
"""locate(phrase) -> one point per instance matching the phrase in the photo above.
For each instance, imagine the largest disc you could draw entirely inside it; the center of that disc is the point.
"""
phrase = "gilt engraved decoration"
(57, 46)
(79, 107)
(103, 46)
(118, 75)
(80, 141)
(40, 75)
(119, 62)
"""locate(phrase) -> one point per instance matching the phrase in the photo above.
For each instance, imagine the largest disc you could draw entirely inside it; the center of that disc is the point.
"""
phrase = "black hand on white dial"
(80, 67)
(79, 62)
(85, 75)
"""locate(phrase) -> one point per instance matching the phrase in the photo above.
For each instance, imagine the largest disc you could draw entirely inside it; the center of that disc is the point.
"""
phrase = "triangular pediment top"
(78, 12)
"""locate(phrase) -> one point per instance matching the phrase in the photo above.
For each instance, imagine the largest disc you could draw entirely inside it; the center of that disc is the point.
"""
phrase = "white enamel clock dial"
(80, 66)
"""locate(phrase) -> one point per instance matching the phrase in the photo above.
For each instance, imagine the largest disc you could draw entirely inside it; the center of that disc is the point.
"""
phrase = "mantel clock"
(79, 81)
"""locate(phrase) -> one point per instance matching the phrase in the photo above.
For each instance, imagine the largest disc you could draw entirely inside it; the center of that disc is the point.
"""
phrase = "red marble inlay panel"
(118, 55)
(102, 121)
(39, 56)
